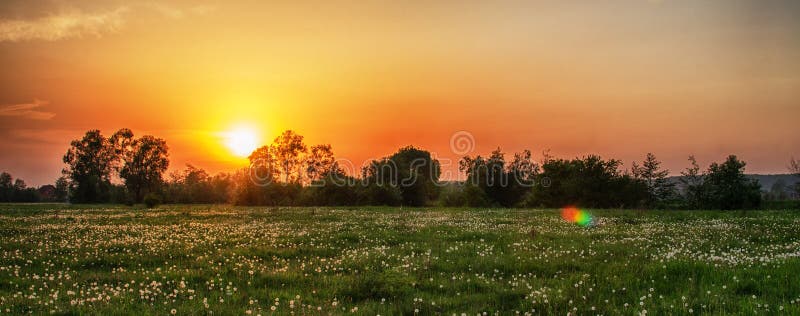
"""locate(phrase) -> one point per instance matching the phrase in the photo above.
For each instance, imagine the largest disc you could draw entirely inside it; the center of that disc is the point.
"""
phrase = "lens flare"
(574, 215)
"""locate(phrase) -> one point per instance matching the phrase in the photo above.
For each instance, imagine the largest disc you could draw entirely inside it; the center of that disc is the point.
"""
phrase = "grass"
(231, 260)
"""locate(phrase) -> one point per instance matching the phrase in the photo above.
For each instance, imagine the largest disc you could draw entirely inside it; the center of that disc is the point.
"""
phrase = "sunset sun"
(241, 141)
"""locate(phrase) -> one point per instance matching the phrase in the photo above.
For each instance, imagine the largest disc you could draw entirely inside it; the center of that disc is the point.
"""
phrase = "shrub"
(152, 200)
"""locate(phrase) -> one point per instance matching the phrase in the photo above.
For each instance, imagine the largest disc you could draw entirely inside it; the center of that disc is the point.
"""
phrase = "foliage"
(794, 168)
(15, 190)
(288, 150)
(152, 200)
(692, 181)
(494, 182)
(410, 174)
(195, 185)
(89, 164)
(723, 186)
(659, 188)
(587, 182)
(727, 187)
(290, 173)
(320, 163)
(92, 160)
(144, 162)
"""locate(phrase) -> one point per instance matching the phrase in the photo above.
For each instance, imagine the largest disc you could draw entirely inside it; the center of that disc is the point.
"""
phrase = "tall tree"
(288, 150)
(659, 188)
(89, 164)
(263, 166)
(6, 187)
(320, 162)
(692, 181)
(144, 165)
(121, 144)
(62, 189)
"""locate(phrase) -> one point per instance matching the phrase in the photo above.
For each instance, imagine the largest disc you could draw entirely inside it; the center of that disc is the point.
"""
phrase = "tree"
(794, 167)
(121, 144)
(692, 181)
(15, 190)
(89, 164)
(287, 150)
(586, 182)
(6, 187)
(493, 181)
(62, 189)
(144, 165)
(19, 185)
(727, 187)
(408, 177)
(263, 166)
(659, 188)
(191, 185)
(320, 163)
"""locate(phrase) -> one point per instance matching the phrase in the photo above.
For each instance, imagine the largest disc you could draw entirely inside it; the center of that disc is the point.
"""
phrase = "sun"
(241, 141)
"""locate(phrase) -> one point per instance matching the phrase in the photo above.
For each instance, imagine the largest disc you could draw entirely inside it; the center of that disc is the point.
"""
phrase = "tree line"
(124, 169)
(16, 190)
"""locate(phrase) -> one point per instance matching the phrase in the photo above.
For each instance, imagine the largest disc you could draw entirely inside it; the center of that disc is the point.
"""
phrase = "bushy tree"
(727, 187)
(320, 163)
(278, 171)
(89, 164)
(288, 150)
(334, 188)
(193, 185)
(92, 160)
(408, 177)
(493, 181)
(263, 165)
(144, 163)
(587, 182)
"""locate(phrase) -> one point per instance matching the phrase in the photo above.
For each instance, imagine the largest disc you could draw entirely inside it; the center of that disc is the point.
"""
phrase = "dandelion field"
(229, 260)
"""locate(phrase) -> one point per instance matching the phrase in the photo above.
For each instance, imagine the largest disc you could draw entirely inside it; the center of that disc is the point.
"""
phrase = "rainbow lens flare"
(577, 216)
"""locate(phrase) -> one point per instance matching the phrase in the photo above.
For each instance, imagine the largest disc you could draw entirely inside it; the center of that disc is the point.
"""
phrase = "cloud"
(78, 24)
(27, 110)
(62, 26)
(178, 13)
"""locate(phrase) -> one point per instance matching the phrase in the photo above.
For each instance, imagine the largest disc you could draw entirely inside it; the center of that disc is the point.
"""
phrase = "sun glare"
(241, 141)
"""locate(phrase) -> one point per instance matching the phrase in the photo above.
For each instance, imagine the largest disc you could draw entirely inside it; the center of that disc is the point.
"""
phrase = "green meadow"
(225, 260)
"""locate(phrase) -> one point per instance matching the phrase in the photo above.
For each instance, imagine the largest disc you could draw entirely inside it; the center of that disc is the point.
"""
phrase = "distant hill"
(766, 180)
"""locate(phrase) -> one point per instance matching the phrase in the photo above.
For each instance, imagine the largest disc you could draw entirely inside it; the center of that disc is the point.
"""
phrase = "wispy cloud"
(78, 24)
(27, 110)
(178, 13)
(63, 25)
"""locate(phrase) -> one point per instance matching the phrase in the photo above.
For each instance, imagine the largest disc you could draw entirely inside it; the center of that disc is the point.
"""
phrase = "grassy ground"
(226, 260)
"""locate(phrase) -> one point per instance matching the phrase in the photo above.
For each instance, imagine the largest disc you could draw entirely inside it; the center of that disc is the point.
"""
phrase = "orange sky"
(618, 78)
